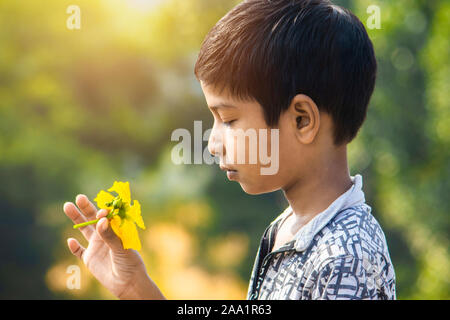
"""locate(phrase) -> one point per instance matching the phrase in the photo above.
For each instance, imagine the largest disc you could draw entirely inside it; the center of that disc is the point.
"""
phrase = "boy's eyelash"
(227, 123)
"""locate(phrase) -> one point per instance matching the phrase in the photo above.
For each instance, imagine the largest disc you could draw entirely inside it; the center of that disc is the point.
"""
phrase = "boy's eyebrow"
(222, 105)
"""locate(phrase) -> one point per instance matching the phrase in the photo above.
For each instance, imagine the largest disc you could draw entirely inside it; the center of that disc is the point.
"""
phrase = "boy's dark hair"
(272, 50)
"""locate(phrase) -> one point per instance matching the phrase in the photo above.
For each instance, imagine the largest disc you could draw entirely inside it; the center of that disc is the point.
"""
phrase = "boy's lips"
(227, 168)
(231, 173)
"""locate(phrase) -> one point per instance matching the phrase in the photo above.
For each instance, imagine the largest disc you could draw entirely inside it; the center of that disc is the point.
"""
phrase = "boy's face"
(277, 153)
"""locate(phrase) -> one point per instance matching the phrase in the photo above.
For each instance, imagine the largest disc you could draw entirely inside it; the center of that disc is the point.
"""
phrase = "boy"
(306, 68)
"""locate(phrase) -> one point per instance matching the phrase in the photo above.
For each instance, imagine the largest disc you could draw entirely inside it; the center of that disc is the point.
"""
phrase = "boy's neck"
(313, 193)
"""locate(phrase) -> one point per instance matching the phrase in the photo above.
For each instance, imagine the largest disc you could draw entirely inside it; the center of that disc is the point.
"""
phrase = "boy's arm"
(143, 288)
(121, 271)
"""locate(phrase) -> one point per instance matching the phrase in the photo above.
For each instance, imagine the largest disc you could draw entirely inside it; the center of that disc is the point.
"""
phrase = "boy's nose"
(215, 144)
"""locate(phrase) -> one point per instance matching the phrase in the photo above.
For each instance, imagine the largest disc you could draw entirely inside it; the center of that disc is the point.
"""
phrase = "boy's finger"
(101, 213)
(77, 217)
(76, 248)
(108, 235)
(86, 206)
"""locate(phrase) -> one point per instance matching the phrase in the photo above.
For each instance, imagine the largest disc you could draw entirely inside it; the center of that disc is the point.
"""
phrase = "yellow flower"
(123, 215)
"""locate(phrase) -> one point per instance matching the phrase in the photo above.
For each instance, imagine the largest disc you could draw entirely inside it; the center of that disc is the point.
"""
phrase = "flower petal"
(122, 189)
(102, 198)
(130, 236)
(115, 225)
(135, 213)
(127, 232)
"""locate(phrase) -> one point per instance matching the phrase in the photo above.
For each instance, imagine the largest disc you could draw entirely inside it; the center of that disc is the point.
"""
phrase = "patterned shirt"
(340, 254)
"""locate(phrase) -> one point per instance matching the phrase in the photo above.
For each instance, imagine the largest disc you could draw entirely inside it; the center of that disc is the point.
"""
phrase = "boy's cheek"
(236, 152)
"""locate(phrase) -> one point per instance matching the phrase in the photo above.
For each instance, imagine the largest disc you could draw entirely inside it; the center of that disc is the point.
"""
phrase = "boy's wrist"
(142, 288)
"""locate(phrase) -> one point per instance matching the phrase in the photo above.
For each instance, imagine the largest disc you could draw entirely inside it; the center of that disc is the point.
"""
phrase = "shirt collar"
(352, 197)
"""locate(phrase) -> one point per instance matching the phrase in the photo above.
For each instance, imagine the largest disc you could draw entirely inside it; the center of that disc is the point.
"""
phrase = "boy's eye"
(228, 123)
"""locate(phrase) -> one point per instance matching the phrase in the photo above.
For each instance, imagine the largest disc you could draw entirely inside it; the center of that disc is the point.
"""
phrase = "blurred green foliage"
(82, 108)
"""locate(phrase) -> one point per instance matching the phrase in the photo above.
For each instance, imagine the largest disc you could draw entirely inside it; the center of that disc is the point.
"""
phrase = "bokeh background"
(82, 108)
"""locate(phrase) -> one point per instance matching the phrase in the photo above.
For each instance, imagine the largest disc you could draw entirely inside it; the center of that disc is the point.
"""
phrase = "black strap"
(265, 247)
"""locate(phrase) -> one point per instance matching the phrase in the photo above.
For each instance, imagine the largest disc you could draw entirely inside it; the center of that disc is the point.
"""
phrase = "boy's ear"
(305, 118)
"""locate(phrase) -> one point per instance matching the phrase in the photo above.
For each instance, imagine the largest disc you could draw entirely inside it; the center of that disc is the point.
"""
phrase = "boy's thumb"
(108, 235)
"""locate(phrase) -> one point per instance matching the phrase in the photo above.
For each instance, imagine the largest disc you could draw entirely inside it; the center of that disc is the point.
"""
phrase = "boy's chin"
(255, 189)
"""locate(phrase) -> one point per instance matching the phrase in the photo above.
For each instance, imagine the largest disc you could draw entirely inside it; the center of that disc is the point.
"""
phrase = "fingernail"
(99, 212)
(103, 224)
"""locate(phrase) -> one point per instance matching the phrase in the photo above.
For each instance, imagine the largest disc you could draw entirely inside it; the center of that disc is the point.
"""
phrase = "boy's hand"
(121, 271)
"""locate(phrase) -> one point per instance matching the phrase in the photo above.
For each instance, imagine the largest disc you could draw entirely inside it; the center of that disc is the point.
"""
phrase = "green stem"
(84, 224)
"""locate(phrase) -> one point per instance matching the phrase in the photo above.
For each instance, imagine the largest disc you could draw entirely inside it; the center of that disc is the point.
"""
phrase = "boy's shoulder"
(353, 232)
(354, 238)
